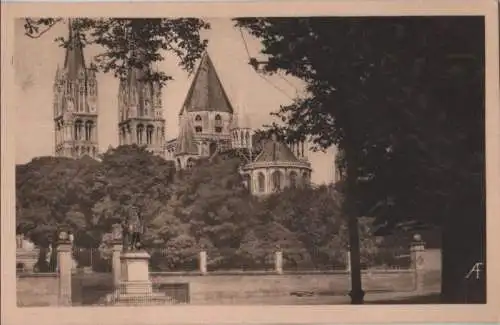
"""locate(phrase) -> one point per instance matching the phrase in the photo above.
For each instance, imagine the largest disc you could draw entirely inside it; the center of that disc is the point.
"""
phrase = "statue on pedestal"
(132, 229)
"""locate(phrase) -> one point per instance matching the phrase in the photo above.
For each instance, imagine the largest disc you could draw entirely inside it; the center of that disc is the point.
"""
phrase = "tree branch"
(32, 28)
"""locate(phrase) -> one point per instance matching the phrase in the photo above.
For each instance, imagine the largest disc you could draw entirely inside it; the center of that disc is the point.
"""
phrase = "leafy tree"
(403, 100)
(117, 36)
(216, 205)
(50, 193)
(128, 177)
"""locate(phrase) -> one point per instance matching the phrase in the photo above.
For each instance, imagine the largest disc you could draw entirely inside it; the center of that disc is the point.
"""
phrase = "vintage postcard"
(268, 162)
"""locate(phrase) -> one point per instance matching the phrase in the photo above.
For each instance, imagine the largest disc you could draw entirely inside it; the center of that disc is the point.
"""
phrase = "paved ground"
(370, 298)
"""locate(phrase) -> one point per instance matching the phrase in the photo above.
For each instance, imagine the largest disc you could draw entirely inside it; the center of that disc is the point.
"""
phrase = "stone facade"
(75, 104)
(141, 120)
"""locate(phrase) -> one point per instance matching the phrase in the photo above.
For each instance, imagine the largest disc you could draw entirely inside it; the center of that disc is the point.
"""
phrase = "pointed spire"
(206, 92)
(241, 119)
(74, 60)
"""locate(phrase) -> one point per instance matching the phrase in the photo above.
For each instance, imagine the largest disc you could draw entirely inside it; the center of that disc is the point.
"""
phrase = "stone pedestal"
(135, 287)
(135, 274)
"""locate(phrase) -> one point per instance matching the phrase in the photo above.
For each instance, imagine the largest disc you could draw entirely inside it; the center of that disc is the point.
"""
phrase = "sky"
(36, 60)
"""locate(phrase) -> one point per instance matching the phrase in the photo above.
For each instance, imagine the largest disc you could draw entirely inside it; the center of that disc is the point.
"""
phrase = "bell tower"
(75, 103)
(140, 110)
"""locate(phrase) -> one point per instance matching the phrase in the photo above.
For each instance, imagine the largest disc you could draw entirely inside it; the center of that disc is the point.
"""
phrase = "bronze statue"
(132, 229)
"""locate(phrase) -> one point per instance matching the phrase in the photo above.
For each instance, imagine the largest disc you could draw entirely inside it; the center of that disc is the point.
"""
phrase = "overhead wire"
(262, 76)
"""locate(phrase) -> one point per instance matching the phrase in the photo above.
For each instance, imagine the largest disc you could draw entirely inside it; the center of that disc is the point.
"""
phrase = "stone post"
(203, 262)
(417, 251)
(65, 264)
(348, 260)
(348, 266)
(278, 261)
(117, 248)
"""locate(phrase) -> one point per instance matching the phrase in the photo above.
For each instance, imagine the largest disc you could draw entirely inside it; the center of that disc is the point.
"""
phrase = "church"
(208, 123)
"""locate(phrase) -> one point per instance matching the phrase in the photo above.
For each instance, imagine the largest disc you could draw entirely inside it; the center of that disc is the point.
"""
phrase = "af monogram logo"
(477, 269)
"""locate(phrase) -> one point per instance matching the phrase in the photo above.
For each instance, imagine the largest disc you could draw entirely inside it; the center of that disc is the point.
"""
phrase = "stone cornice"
(278, 164)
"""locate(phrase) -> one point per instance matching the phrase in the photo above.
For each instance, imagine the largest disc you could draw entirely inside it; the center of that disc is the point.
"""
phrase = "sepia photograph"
(248, 160)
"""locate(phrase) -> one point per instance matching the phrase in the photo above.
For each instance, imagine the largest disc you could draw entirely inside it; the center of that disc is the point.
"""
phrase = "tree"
(218, 208)
(131, 177)
(116, 37)
(51, 193)
(403, 100)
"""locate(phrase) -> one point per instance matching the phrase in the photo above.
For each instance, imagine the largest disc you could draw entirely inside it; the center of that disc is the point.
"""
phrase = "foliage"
(127, 177)
(117, 36)
(207, 207)
(403, 99)
(52, 192)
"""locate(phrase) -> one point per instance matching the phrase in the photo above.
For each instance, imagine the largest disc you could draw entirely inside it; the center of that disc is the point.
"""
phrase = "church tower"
(241, 130)
(75, 103)
(140, 110)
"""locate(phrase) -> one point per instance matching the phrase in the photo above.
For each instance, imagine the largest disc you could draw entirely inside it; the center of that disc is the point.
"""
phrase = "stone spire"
(241, 130)
(206, 92)
(74, 61)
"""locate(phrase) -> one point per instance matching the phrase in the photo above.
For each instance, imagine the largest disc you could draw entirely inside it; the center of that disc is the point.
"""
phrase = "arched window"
(140, 131)
(197, 118)
(190, 163)
(91, 88)
(261, 180)
(293, 179)
(276, 177)
(198, 129)
(305, 177)
(78, 130)
(218, 123)
(88, 130)
(146, 107)
(149, 134)
(81, 101)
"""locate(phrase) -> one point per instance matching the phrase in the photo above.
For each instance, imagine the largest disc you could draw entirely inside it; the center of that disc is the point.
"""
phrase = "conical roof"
(206, 92)
(275, 151)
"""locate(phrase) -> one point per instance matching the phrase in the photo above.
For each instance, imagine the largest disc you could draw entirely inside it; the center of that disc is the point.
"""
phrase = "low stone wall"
(37, 289)
(233, 287)
(222, 287)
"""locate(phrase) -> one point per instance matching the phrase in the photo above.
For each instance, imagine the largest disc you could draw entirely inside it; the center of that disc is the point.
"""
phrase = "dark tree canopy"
(403, 100)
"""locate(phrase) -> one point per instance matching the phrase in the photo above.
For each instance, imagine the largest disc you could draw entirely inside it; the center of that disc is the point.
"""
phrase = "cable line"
(263, 77)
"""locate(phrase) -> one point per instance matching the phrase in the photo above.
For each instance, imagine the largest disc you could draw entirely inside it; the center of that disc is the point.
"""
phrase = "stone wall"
(37, 289)
(226, 287)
